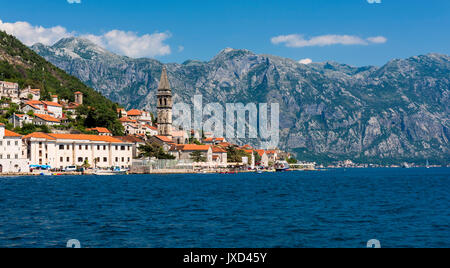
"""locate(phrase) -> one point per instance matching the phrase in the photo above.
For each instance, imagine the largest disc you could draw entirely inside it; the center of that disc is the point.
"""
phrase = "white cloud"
(377, 39)
(132, 45)
(305, 61)
(31, 35)
(296, 40)
(74, 1)
(124, 43)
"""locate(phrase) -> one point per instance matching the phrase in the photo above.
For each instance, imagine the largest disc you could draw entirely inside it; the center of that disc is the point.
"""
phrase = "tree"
(86, 164)
(235, 155)
(197, 156)
(292, 160)
(150, 150)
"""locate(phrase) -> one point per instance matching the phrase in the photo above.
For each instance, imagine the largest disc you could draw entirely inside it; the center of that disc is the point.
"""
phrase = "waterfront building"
(61, 150)
(163, 141)
(136, 141)
(164, 105)
(184, 151)
(219, 155)
(12, 154)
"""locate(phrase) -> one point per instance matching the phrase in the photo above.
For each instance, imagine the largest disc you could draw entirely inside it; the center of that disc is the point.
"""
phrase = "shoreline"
(187, 172)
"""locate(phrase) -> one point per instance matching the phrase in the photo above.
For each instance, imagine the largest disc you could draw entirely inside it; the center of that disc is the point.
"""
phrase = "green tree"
(197, 156)
(151, 150)
(235, 155)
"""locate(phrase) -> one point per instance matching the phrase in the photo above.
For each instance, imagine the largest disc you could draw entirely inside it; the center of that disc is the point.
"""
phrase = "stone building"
(164, 105)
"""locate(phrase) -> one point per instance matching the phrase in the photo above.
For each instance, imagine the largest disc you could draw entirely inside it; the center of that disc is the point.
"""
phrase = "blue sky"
(351, 31)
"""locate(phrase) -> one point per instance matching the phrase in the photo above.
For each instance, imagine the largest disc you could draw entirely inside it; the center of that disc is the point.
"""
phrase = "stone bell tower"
(164, 105)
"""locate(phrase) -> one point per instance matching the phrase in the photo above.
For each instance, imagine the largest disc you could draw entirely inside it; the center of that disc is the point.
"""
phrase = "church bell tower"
(164, 105)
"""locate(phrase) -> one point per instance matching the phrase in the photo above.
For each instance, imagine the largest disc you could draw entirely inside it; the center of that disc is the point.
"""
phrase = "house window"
(16, 156)
(1, 143)
(122, 148)
(8, 156)
(1, 156)
(81, 147)
(87, 147)
(61, 147)
(80, 159)
(123, 159)
(68, 159)
(105, 159)
(8, 143)
(117, 159)
(104, 147)
(68, 147)
(98, 147)
(61, 159)
(17, 143)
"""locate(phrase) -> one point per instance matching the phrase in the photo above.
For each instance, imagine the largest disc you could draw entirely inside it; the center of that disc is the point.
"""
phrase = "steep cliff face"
(328, 110)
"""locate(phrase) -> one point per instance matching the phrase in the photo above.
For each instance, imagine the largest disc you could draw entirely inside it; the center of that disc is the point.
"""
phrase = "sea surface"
(334, 208)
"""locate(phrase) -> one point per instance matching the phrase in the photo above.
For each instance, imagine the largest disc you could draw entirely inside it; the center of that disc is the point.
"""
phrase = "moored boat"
(281, 166)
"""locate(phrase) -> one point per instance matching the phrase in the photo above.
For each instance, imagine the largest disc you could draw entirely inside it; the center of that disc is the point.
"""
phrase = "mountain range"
(395, 113)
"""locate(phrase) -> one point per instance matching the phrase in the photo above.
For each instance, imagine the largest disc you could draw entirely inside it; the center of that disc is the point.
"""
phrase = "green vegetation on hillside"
(21, 65)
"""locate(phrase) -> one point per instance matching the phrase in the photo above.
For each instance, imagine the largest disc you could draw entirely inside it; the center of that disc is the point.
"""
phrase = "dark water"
(337, 208)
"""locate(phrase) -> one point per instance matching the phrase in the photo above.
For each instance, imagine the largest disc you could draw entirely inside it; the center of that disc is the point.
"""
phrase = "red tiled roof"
(47, 118)
(11, 134)
(216, 149)
(72, 137)
(126, 119)
(50, 103)
(225, 144)
(194, 147)
(164, 138)
(260, 152)
(99, 130)
(134, 112)
(78, 92)
(38, 135)
(131, 139)
(34, 102)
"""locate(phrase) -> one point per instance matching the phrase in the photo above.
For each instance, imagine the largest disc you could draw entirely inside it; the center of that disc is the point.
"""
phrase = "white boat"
(281, 166)
(111, 172)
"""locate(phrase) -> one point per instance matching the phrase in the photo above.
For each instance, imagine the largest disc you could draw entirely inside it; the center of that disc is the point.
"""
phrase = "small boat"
(111, 172)
(281, 166)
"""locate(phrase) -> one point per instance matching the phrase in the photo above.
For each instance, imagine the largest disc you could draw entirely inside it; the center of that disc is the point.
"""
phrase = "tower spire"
(164, 105)
(164, 81)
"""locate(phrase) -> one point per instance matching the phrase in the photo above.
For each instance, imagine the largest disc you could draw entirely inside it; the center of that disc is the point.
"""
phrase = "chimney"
(55, 98)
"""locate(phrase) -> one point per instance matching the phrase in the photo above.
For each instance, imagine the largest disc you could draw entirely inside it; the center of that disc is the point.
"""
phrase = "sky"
(355, 32)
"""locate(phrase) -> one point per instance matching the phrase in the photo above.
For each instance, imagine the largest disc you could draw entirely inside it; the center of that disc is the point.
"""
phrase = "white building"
(43, 119)
(9, 90)
(44, 107)
(27, 92)
(19, 119)
(12, 154)
(61, 150)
